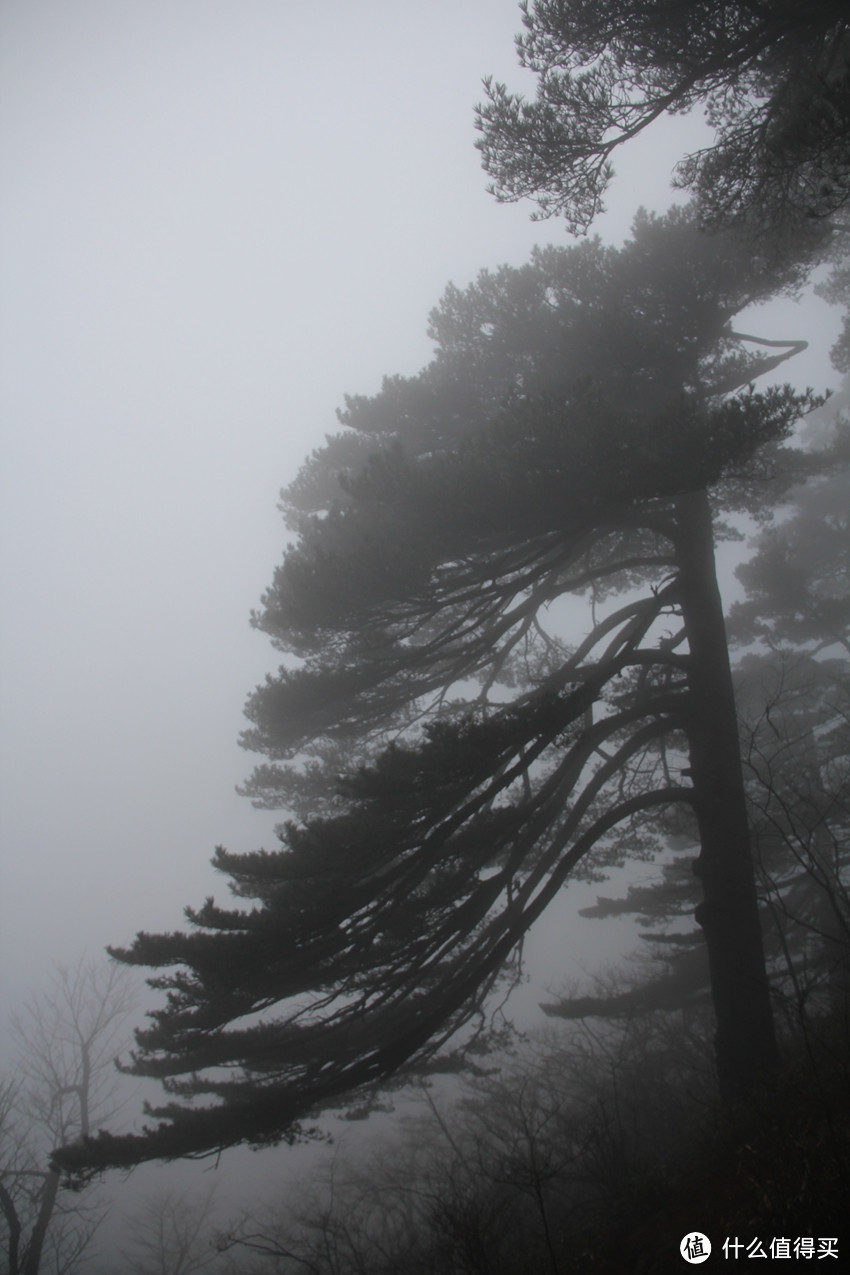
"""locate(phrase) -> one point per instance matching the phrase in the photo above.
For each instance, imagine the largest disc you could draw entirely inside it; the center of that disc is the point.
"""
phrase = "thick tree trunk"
(745, 1039)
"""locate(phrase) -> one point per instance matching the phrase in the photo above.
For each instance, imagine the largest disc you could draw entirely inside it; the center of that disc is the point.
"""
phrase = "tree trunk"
(745, 1039)
(32, 1260)
(13, 1223)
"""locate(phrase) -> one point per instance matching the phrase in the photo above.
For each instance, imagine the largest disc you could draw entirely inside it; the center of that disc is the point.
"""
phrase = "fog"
(213, 227)
(216, 220)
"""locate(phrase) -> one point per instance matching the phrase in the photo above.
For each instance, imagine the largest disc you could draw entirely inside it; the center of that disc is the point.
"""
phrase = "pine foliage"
(772, 79)
(447, 757)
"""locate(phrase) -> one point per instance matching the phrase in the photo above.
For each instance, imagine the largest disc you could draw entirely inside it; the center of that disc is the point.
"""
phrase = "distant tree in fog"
(794, 693)
(527, 1169)
(773, 80)
(449, 756)
(171, 1233)
(62, 1088)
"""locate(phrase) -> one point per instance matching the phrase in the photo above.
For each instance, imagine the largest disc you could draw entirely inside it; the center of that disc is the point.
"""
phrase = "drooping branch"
(451, 756)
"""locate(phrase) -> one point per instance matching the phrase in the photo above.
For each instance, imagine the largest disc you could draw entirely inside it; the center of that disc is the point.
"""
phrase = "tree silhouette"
(448, 756)
(62, 1088)
(773, 80)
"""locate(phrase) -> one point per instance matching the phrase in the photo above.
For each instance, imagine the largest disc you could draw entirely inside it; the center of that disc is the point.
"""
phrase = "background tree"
(172, 1233)
(63, 1085)
(773, 80)
(835, 288)
(530, 1166)
(795, 701)
(563, 442)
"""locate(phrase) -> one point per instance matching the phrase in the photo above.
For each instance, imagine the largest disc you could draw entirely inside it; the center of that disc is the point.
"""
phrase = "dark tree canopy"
(447, 757)
(772, 78)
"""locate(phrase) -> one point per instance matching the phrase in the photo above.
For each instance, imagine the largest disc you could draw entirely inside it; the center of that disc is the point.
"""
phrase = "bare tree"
(171, 1235)
(63, 1086)
(510, 1173)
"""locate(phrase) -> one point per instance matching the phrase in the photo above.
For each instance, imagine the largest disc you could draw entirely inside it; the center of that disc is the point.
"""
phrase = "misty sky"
(217, 218)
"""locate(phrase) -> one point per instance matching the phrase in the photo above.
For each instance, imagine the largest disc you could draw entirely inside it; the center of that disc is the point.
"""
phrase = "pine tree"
(773, 81)
(448, 757)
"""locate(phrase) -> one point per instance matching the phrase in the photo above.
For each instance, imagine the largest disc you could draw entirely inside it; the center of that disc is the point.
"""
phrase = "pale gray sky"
(217, 218)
